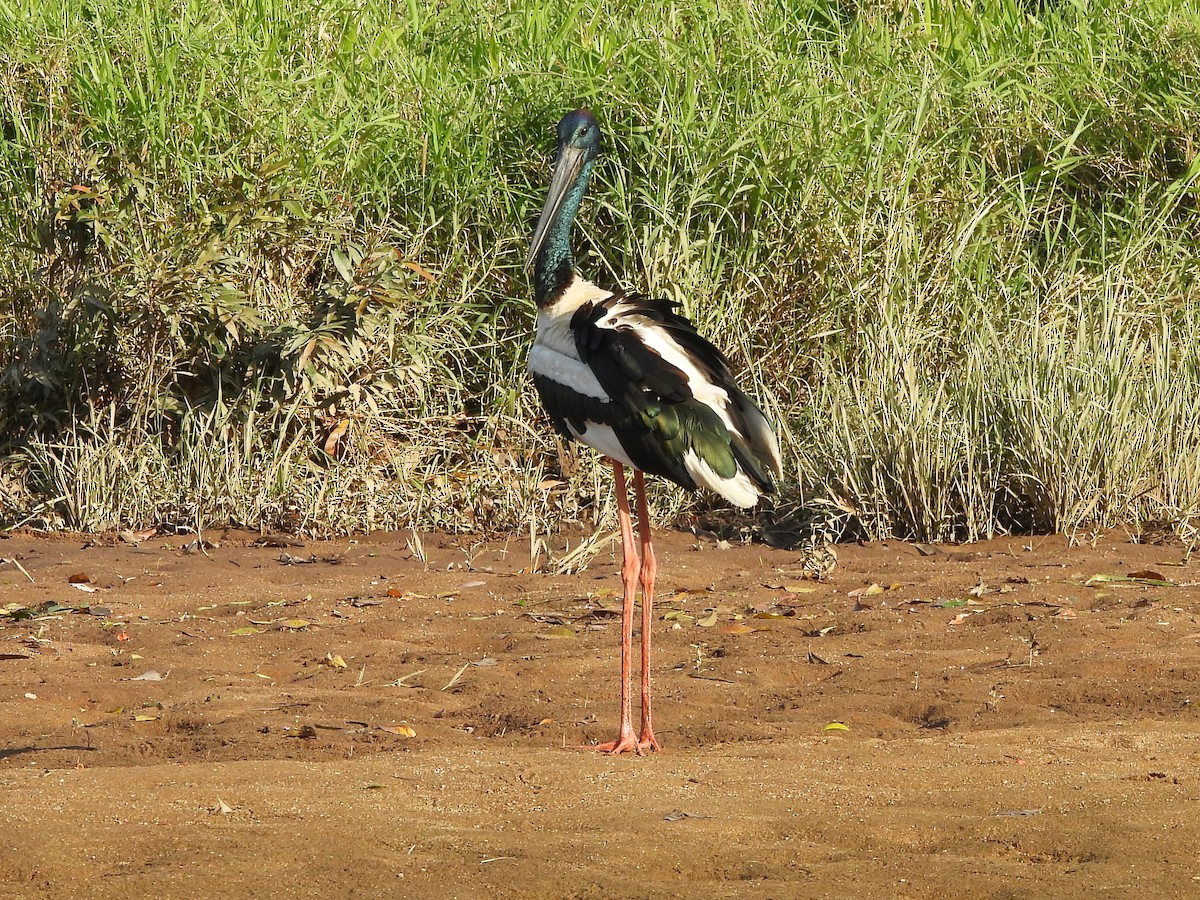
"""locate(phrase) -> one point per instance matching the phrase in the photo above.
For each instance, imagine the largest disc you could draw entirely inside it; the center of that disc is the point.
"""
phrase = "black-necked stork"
(631, 377)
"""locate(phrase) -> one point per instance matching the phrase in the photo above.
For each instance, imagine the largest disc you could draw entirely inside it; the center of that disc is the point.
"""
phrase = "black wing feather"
(623, 365)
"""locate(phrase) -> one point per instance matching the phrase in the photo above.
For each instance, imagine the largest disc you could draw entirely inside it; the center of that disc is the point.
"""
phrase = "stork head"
(579, 131)
(578, 147)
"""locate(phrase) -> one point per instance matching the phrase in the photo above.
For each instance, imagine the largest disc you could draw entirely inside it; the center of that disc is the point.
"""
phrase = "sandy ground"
(345, 720)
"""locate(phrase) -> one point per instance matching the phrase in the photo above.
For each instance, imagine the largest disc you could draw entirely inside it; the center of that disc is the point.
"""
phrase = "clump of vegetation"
(264, 259)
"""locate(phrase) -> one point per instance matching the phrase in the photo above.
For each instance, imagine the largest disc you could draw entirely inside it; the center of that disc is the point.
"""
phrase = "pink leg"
(626, 740)
(647, 740)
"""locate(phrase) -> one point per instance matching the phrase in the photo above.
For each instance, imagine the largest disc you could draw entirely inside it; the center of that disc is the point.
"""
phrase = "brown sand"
(1041, 740)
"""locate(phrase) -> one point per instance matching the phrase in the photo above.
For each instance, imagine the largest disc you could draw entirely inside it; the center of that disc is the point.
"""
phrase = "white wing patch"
(604, 439)
(762, 438)
(738, 490)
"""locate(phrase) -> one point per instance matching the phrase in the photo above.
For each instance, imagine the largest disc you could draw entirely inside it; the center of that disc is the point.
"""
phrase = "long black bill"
(566, 171)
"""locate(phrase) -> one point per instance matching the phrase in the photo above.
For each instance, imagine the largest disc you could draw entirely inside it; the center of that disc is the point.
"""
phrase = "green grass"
(950, 246)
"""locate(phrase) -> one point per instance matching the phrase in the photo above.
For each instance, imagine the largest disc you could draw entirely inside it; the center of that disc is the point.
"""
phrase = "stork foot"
(648, 741)
(628, 744)
(622, 745)
(625, 743)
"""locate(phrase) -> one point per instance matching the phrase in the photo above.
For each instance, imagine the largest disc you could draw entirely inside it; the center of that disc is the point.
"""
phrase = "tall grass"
(265, 258)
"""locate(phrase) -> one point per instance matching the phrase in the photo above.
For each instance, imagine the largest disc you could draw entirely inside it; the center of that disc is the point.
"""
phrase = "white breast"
(553, 354)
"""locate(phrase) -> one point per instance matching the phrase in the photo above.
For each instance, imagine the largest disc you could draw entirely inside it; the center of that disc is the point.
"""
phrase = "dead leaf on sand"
(136, 537)
(869, 591)
(1148, 578)
(736, 628)
(676, 815)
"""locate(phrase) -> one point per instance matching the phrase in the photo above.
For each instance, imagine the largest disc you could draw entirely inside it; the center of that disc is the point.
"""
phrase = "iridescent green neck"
(555, 266)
